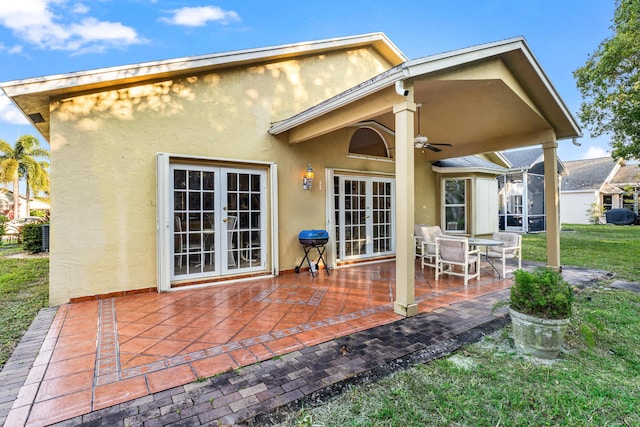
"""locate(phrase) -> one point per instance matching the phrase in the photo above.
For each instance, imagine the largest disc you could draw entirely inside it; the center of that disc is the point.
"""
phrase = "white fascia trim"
(579, 191)
(503, 158)
(176, 65)
(445, 170)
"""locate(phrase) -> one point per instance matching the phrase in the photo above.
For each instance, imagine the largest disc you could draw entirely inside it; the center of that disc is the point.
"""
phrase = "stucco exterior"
(109, 140)
(114, 133)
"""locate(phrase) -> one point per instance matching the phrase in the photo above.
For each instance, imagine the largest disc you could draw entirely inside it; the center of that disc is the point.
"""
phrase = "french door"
(364, 212)
(218, 224)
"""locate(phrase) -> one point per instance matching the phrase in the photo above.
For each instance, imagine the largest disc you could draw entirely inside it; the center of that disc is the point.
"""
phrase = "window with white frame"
(454, 205)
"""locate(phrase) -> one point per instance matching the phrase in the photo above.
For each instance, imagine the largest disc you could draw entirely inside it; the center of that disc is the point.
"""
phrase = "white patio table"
(475, 241)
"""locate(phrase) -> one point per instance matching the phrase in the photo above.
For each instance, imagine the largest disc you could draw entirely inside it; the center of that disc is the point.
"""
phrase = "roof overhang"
(454, 83)
(33, 95)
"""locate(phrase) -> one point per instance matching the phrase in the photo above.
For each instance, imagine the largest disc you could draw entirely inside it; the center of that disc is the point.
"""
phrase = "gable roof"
(32, 96)
(588, 174)
(514, 53)
(528, 159)
(523, 159)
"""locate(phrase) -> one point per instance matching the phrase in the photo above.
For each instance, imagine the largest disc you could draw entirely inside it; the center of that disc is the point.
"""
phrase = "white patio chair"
(512, 249)
(425, 243)
(183, 244)
(452, 252)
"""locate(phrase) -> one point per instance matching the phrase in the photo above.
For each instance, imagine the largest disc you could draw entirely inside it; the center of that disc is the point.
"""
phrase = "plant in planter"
(540, 307)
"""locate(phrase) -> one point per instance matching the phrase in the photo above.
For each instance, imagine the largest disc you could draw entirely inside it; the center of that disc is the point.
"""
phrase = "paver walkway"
(159, 359)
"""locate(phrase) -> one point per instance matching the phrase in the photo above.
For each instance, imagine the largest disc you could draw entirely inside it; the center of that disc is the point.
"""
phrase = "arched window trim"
(377, 128)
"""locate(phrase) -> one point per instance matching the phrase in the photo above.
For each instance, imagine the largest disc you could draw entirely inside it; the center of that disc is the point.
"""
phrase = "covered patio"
(101, 353)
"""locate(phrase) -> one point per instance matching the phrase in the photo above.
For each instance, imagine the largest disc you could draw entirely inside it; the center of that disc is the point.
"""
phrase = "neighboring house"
(192, 169)
(521, 191)
(587, 188)
(6, 204)
(627, 179)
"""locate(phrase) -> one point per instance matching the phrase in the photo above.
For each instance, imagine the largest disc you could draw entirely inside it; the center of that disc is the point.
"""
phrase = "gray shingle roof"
(468, 162)
(523, 158)
(627, 174)
(588, 174)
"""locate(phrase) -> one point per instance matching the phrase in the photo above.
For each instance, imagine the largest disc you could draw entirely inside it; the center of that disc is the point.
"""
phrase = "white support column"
(551, 197)
(405, 304)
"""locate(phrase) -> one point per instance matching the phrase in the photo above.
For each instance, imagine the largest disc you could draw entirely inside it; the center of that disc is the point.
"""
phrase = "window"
(455, 202)
(368, 142)
(607, 202)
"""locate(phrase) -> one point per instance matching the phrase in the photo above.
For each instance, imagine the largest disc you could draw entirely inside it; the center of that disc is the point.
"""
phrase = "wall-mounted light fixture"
(307, 180)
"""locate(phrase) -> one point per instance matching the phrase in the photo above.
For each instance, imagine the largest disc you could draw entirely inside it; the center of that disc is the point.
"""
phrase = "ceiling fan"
(421, 141)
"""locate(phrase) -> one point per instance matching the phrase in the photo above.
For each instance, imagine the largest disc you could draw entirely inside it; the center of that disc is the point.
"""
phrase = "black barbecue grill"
(313, 239)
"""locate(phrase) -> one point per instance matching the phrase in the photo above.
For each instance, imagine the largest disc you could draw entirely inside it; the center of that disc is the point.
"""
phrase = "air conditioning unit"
(45, 237)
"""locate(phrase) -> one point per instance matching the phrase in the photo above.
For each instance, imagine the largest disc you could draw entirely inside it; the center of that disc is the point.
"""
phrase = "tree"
(22, 161)
(610, 84)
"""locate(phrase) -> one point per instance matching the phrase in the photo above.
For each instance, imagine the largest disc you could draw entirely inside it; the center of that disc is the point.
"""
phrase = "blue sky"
(46, 37)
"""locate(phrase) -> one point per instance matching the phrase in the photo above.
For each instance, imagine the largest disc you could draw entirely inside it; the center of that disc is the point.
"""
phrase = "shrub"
(32, 237)
(541, 293)
(3, 220)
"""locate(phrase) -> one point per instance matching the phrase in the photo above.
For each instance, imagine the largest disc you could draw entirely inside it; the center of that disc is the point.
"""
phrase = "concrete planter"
(538, 337)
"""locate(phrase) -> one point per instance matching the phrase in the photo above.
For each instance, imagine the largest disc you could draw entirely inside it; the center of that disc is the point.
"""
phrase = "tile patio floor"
(101, 353)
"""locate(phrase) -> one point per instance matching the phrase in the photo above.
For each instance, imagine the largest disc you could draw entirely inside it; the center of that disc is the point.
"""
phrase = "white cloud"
(79, 8)
(9, 113)
(199, 16)
(595, 152)
(46, 24)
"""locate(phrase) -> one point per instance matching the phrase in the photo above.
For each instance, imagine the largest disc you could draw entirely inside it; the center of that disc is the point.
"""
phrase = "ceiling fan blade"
(432, 148)
(443, 144)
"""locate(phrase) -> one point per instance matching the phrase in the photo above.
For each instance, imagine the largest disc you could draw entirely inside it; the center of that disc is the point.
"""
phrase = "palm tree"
(21, 162)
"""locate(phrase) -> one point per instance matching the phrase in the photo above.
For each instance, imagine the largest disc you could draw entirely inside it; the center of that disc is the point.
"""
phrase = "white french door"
(364, 211)
(218, 224)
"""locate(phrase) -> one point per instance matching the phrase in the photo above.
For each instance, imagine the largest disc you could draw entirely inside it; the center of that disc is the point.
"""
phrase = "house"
(594, 186)
(204, 169)
(627, 179)
(6, 204)
(521, 190)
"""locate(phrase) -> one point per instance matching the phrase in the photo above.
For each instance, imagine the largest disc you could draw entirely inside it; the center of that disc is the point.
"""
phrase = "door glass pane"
(367, 211)
(197, 221)
(193, 242)
(244, 229)
(382, 238)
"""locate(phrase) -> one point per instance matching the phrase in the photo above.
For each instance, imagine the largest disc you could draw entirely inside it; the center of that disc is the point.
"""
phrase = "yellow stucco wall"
(103, 174)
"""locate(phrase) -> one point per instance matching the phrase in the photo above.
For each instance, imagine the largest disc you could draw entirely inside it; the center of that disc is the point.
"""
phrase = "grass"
(594, 383)
(604, 247)
(24, 290)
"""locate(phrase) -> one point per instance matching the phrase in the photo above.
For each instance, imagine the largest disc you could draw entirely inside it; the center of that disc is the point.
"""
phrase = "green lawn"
(605, 247)
(595, 383)
(24, 290)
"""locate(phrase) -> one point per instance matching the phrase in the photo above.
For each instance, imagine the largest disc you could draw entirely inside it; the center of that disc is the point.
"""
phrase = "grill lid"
(313, 237)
